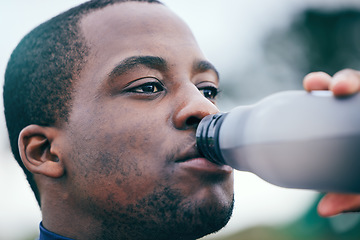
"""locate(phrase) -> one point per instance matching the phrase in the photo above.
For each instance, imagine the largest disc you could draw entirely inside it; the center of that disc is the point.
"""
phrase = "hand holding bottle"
(345, 82)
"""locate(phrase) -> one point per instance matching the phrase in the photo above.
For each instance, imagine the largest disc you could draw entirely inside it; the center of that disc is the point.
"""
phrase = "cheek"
(125, 159)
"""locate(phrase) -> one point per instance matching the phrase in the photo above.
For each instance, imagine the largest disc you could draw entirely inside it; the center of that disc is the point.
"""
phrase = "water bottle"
(293, 139)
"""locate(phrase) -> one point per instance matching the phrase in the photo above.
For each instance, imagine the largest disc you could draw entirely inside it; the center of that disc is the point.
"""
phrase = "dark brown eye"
(150, 87)
(209, 92)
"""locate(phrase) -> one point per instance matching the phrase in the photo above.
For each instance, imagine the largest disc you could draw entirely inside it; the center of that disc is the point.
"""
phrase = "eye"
(209, 92)
(148, 88)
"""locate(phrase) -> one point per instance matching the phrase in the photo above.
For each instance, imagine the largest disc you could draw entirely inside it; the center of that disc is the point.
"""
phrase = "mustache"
(184, 149)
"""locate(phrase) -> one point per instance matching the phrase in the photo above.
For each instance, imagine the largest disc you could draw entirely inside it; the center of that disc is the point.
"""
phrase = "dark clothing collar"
(47, 235)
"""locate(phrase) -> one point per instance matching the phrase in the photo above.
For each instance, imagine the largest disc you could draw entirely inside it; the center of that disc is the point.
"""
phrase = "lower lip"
(204, 165)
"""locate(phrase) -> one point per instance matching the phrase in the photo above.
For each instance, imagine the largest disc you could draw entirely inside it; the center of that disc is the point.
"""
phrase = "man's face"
(130, 151)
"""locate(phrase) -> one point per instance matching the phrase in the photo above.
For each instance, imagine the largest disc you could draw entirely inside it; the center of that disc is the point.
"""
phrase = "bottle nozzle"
(206, 137)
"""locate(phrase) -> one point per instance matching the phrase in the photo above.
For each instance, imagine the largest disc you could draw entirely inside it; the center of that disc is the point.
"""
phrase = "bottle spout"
(207, 135)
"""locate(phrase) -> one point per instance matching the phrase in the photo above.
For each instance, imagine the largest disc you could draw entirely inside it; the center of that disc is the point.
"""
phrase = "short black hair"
(41, 71)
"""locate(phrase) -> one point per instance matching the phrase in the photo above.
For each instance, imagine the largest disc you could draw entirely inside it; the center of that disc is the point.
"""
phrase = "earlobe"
(38, 153)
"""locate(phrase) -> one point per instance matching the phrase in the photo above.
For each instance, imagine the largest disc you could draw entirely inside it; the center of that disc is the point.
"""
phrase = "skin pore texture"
(128, 164)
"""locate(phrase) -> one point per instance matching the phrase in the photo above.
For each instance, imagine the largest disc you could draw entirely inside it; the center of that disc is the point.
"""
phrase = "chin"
(206, 217)
(207, 210)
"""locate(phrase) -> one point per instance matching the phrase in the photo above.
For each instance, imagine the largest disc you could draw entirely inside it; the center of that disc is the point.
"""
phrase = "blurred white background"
(229, 33)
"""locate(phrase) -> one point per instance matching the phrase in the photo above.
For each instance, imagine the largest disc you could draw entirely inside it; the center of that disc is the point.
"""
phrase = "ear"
(38, 152)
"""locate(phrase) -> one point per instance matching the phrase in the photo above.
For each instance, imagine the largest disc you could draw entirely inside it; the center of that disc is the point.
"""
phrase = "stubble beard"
(165, 214)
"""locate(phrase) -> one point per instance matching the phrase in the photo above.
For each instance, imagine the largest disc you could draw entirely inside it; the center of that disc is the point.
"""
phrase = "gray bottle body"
(295, 139)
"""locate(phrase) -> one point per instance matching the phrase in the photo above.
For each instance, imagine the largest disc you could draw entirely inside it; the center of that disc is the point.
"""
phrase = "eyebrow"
(132, 62)
(203, 66)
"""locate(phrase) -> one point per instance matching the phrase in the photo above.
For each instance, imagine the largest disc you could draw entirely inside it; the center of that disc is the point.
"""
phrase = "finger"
(317, 81)
(334, 203)
(345, 82)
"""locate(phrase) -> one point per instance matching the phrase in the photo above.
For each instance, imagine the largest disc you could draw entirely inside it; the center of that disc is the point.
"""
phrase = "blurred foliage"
(316, 40)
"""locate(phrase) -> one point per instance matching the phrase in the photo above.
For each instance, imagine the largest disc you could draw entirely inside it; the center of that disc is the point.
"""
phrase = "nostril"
(191, 121)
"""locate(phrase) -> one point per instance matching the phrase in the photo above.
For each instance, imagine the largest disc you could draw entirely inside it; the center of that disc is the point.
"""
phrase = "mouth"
(193, 161)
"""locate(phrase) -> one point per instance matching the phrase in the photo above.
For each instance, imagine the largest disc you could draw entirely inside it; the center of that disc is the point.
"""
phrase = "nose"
(191, 108)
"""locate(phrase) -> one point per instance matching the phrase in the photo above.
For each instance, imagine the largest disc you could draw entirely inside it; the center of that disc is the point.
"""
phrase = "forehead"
(133, 25)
